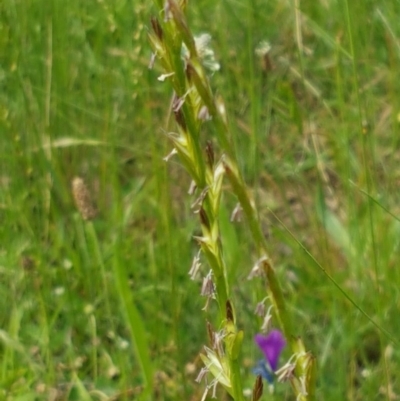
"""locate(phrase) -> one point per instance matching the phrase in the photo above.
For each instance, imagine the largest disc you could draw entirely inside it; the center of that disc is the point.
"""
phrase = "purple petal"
(272, 346)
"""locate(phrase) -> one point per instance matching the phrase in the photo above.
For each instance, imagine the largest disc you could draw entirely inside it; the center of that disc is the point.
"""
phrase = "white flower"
(163, 77)
(204, 51)
(263, 48)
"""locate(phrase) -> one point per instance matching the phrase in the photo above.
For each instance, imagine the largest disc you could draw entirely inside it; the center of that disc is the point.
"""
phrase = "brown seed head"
(157, 28)
(211, 333)
(83, 199)
(257, 389)
(210, 154)
(229, 311)
(204, 218)
(180, 119)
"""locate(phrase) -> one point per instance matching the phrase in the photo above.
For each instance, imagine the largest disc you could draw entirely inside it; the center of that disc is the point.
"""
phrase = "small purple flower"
(271, 345)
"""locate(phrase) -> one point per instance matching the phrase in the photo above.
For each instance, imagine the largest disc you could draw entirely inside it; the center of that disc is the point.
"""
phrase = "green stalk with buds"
(193, 103)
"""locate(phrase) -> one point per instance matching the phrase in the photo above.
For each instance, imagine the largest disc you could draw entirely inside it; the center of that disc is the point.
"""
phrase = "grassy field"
(93, 309)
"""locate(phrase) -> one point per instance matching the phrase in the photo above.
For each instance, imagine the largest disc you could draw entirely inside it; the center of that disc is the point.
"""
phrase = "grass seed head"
(83, 199)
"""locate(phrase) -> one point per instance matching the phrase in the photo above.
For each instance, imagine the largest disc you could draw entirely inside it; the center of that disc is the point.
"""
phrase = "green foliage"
(316, 135)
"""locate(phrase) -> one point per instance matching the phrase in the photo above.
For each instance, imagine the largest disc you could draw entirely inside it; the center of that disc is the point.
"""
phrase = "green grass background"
(318, 141)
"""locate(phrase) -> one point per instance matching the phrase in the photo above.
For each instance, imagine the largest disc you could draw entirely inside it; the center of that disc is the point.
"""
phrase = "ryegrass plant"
(193, 102)
(315, 130)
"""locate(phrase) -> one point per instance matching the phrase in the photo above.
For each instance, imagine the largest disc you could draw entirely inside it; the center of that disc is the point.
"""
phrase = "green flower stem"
(138, 333)
(135, 321)
(167, 43)
(196, 75)
(273, 288)
(189, 147)
(95, 252)
(192, 89)
(236, 380)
